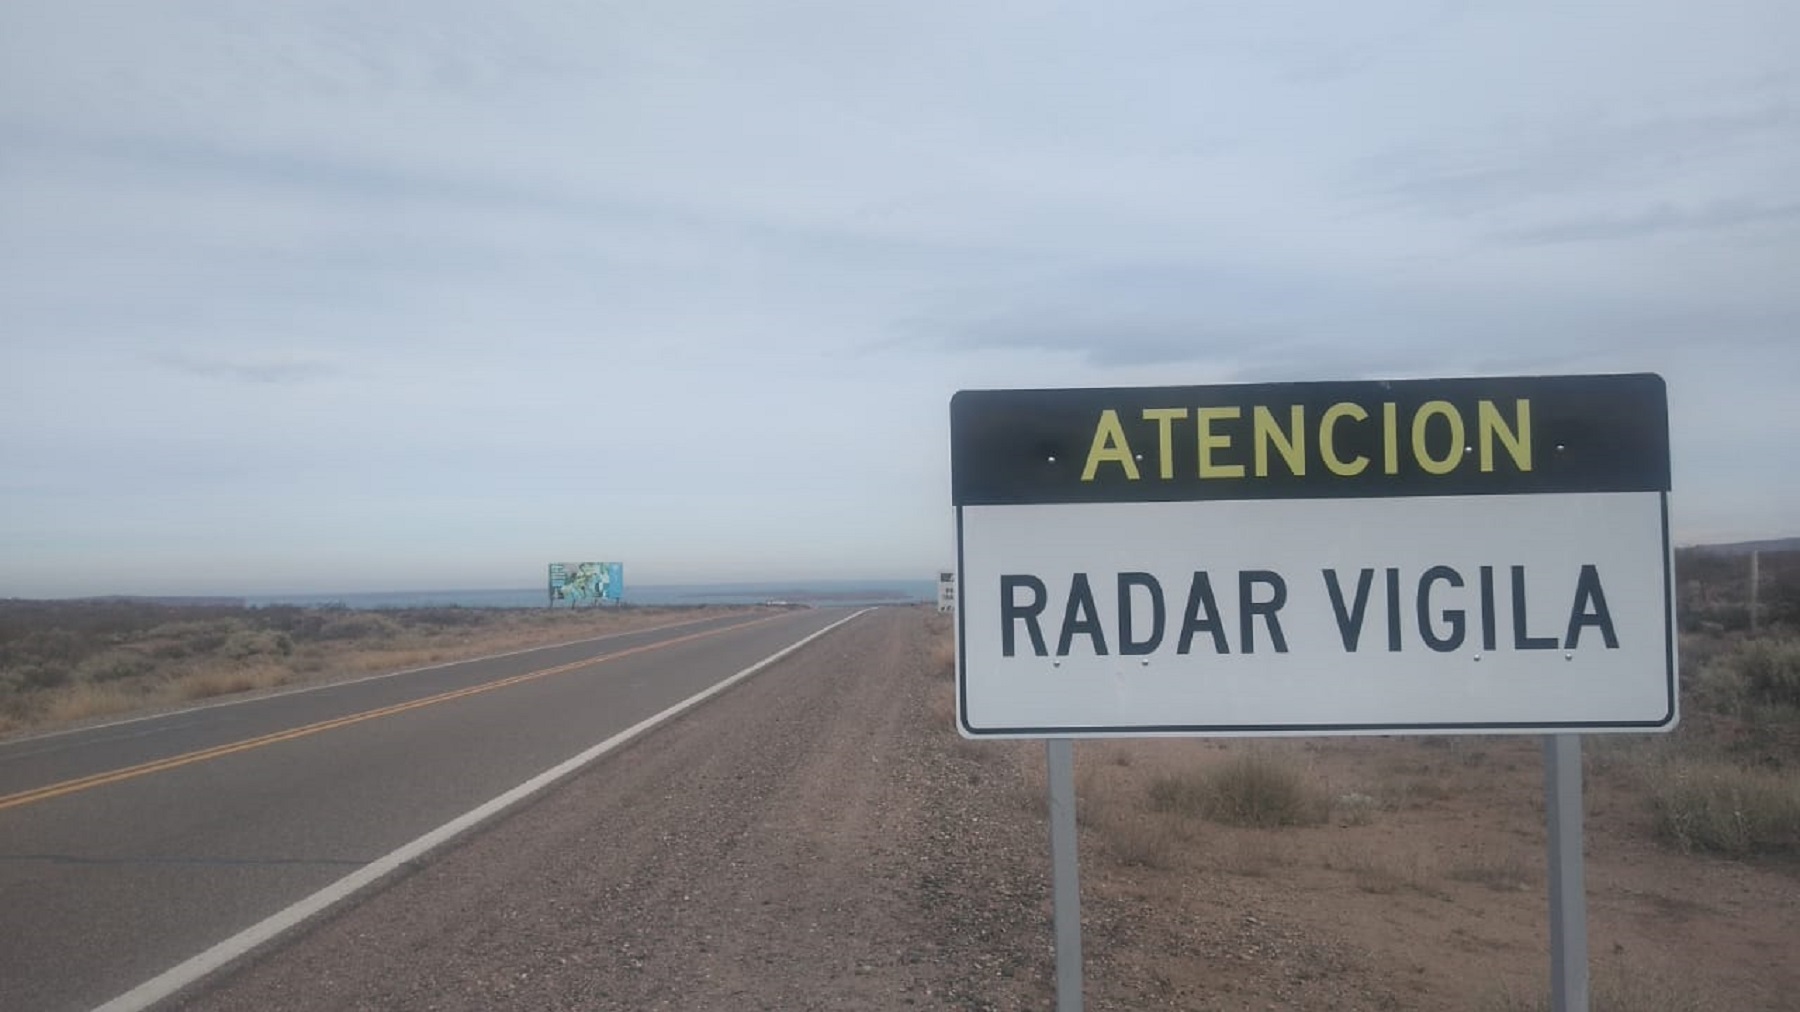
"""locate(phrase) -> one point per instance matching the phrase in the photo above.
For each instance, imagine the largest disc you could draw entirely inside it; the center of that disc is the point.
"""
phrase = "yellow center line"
(57, 790)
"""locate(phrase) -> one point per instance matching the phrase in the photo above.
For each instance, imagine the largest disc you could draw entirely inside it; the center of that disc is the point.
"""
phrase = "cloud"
(1106, 343)
(1574, 154)
(268, 371)
(1661, 219)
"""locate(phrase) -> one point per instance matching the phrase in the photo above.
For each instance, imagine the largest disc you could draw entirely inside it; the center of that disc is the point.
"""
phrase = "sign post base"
(1059, 754)
(1568, 890)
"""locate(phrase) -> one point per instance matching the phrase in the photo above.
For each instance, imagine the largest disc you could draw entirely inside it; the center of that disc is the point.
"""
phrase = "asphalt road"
(127, 849)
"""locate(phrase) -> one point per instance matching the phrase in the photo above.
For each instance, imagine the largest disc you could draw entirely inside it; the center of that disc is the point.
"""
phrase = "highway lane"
(104, 886)
(33, 762)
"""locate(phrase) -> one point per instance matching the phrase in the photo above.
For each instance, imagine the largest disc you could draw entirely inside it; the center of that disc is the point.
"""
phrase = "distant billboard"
(591, 583)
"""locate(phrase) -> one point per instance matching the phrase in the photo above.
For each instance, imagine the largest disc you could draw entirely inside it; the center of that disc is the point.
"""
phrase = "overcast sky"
(342, 296)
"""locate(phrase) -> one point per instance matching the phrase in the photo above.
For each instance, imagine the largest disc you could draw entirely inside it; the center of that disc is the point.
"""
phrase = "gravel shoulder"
(816, 838)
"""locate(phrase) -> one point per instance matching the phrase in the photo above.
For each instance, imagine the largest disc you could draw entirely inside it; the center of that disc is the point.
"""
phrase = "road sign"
(946, 600)
(1450, 555)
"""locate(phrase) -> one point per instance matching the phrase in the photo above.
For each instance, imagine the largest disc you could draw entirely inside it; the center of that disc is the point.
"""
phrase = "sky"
(345, 296)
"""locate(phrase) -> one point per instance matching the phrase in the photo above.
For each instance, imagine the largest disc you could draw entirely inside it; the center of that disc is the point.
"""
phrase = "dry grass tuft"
(1147, 840)
(88, 700)
(1412, 786)
(1770, 669)
(941, 714)
(1255, 787)
(943, 707)
(1618, 987)
(1723, 808)
(943, 658)
(1354, 809)
(225, 681)
(1252, 856)
(1382, 873)
(1506, 872)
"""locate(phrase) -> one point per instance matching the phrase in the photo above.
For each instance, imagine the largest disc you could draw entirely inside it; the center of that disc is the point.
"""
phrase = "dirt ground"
(820, 838)
(1433, 897)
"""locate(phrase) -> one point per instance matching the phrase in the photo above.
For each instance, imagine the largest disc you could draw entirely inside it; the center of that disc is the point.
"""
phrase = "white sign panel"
(1453, 604)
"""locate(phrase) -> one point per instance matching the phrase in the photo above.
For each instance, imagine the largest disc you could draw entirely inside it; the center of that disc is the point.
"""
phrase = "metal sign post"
(1568, 892)
(1064, 873)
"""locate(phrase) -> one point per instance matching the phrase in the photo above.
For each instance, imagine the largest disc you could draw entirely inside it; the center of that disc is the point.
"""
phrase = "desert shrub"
(1252, 788)
(1727, 809)
(1770, 669)
(444, 618)
(111, 620)
(1355, 808)
(114, 666)
(1146, 841)
(943, 657)
(170, 650)
(195, 637)
(240, 678)
(84, 700)
(1713, 592)
(299, 624)
(43, 675)
(358, 625)
(1615, 995)
(1720, 688)
(1183, 795)
(37, 646)
(1383, 871)
(1502, 872)
(1699, 651)
(1781, 587)
(247, 643)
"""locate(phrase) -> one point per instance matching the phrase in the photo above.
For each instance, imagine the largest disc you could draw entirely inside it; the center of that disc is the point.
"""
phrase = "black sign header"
(1358, 439)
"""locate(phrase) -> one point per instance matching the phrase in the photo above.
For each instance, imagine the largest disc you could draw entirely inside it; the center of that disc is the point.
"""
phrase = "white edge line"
(377, 676)
(216, 958)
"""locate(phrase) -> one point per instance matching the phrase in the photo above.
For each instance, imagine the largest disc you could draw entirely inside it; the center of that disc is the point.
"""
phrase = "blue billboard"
(591, 583)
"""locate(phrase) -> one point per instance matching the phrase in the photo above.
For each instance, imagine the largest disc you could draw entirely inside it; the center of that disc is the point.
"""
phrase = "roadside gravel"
(816, 838)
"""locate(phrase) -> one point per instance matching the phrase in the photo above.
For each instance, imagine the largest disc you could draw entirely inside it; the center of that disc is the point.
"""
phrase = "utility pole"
(1755, 586)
